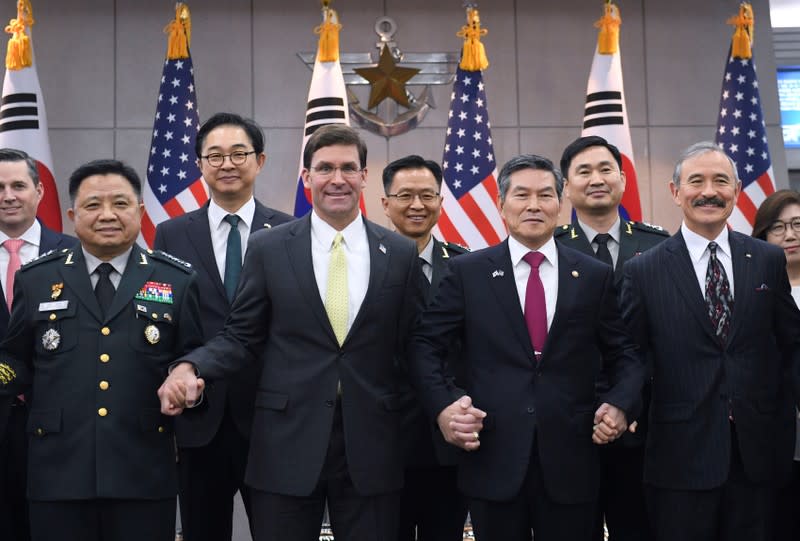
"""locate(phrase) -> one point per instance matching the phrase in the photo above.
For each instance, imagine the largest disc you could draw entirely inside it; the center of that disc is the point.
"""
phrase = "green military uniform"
(95, 426)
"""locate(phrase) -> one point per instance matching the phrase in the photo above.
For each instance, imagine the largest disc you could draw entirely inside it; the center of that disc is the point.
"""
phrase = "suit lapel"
(628, 246)
(379, 257)
(261, 218)
(298, 248)
(578, 240)
(685, 281)
(199, 233)
(440, 261)
(500, 275)
(742, 277)
(568, 272)
(76, 276)
(137, 271)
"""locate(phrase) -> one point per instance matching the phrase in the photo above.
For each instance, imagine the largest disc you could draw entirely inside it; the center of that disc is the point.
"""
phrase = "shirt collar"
(427, 253)
(518, 250)
(697, 245)
(33, 235)
(119, 262)
(325, 233)
(591, 233)
(216, 214)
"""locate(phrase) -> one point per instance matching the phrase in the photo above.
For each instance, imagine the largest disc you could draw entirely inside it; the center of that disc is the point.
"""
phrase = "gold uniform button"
(52, 317)
(104, 358)
(105, 331)
(102, 412)
(103, 385)
(161, 429)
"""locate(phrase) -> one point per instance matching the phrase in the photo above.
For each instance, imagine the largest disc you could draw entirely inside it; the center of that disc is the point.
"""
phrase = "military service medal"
(152, 334)
(56, 290)
(51, 339)
(155, 292)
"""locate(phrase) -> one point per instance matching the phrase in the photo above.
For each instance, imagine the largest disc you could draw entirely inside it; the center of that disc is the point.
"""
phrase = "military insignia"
(140, 308)
(155, 292)
(445, 255)
(152, 334)
(69, 259)
(573, 234)
(7, 374)
(51, 339)
(628, 229)
(167, 316)
(55, 290)
(143, 260)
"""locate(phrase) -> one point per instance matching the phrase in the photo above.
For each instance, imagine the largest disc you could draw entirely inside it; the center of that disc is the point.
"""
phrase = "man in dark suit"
(92, 331)
(711, 308)
(23, 238)
(324, 307)
(594, 184)
(539, 324)
(212, 442)
(432, 507)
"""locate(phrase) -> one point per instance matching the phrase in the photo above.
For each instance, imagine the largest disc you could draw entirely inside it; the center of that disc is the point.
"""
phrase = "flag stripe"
(448, 230)
(605, 108)
(604, 95)
(328, 113)
(19, 97)
(19, 111)
(603, 121)
(325, 102)
(19, 125)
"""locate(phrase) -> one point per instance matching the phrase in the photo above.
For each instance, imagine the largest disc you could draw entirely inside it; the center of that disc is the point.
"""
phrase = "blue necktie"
(233, 257)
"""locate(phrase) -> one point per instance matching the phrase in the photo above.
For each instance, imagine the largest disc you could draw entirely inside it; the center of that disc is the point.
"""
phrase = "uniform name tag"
(50, 306)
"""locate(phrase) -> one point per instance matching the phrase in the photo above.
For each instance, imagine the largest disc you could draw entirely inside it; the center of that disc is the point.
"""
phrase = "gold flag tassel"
(608, 37)
(328, 31)
(473, 56)
(741, 46)
(20, 53)
(180, 33)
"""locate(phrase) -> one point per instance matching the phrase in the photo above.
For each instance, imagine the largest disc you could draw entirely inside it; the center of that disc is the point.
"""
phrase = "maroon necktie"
(535, 307)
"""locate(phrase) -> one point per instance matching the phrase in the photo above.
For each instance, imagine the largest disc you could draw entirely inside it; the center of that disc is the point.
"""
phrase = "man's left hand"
(609, 424)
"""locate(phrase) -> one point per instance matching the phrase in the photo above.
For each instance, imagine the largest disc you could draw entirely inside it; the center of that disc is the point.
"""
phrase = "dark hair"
(249, 126)
(527, 161)
(14, 155)
(103, 167)
(770, 209)
(410, 162)
(334, 134)
(582, 143)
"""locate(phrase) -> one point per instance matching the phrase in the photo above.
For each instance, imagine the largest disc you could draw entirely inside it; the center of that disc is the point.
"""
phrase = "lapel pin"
(497, 273)
(267, 226)
(382, 248)
(747, 255)
(143, 260)
(56, 290)
(69, 259)
(575, 274)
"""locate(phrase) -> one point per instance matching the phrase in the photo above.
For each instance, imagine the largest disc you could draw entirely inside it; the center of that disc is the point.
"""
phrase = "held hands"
(609, 424)
(182, 389)
(461, 424)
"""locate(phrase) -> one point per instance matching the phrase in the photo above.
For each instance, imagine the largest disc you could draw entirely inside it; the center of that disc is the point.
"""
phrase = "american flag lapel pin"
(497, 273)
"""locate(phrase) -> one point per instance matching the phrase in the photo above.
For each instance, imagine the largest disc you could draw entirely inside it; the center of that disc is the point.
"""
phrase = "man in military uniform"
(92, 332)
(432, 507)
(595, 182)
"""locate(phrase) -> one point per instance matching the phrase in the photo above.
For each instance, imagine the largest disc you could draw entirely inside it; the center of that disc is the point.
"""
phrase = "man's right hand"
(461, 424)
(182, 389)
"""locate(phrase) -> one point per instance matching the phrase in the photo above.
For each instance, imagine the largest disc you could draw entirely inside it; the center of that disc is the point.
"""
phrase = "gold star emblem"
(387, 80)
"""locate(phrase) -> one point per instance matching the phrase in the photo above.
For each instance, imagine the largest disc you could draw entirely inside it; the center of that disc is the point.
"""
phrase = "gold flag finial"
(742, 44)
(609, 23)
(20, 53)
(179, 31)
(473, 55)
(328, 31)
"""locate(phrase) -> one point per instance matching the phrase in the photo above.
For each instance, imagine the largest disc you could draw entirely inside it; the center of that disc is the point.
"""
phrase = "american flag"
(469, 211)
(741, 134)
(174, 182)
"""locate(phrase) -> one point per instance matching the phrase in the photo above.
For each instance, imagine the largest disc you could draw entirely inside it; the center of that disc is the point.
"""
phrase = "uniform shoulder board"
(455, 248)
(650, 228)
(561, 230)
(171, 259)
(47, 256)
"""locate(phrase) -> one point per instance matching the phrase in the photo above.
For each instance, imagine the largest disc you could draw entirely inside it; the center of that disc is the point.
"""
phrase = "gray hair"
(696, 149)
(527, 161)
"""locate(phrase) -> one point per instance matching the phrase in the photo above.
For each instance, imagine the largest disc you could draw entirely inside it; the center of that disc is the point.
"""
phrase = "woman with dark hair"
(778, 222)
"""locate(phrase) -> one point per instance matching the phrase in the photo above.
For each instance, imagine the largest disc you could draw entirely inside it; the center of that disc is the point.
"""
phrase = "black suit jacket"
(697, 382)
(95, 425)
(189, 238)
(49, 240)
(278, 321)
(555, 399)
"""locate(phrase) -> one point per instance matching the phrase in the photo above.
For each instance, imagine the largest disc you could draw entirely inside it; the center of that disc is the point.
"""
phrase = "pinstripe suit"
(698, 383)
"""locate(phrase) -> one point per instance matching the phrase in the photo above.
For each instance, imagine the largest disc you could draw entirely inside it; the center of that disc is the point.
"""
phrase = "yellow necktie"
(336, 303)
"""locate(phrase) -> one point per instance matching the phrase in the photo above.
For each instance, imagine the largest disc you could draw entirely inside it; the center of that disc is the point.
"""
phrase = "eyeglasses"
(216, 159)
(348, 171)
(406, 198)
(779, 227)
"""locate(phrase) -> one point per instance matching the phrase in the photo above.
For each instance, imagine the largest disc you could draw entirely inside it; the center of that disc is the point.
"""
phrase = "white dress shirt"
(548, 273)
(699, 254)
(427, 256)
(119, 263)
(356, 250)
(219, 229)
(613, 242)
(29, 249)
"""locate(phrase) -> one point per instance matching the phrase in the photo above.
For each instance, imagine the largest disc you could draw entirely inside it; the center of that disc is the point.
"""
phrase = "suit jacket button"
(530, 409)
(105, 331)
(102, 412)
(329, 403)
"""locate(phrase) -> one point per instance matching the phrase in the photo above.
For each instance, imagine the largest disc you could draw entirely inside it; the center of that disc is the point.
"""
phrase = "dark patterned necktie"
(718, 295)
(104, 289)
(603, 254)
(233, 257)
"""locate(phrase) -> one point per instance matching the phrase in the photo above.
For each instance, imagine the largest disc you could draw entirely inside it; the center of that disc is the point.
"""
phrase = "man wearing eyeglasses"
(432, 507)
(324, 308)
(212, 442)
